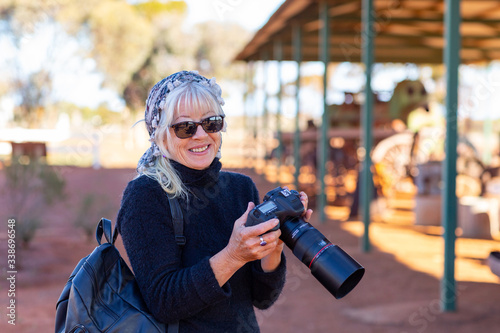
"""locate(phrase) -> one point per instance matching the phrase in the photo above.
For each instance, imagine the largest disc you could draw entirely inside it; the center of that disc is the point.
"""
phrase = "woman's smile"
(199, 149)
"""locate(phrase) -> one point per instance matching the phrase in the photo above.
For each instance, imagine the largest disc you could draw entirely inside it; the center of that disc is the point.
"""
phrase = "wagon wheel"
(468, 186)
(395, 158)
(471, 176)
(391, 159)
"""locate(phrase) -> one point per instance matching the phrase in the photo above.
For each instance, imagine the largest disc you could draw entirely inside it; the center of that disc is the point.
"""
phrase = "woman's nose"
(200, 132)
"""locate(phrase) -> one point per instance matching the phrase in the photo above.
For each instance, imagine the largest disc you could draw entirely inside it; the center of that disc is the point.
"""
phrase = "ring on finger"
(262, 241)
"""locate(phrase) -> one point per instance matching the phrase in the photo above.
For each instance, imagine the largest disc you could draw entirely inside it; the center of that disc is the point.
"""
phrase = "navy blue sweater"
(180, 285)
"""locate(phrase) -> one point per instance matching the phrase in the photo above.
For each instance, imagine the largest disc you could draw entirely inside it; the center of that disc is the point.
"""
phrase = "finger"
(271, 237)
(243, 219)
(261, 228)
(304, 199)
(262, 241)
(307, 215)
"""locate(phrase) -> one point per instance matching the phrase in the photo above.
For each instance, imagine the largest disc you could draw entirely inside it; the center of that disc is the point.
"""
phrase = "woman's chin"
(200, 161)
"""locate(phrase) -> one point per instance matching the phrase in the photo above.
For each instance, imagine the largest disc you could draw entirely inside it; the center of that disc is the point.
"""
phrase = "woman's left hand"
(306, 216)
(271, 261)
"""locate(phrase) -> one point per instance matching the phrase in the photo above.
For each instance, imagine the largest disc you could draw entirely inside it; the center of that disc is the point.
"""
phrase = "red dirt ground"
(399, 293)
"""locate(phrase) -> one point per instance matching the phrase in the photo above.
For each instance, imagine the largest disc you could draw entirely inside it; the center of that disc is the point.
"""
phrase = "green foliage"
(121, 38)
(30, 186)
(172, 50)
(216, 47)
(22, 16)
(100, 115)
(210, 49)
(152, 9)
(33, 92)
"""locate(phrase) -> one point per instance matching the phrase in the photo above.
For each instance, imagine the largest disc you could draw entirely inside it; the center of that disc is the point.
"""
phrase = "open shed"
(449, 32)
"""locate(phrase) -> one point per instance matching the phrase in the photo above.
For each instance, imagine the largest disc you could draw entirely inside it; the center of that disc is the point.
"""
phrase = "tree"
(19, 21)
(33, 92)
(171, 51)
(133, 46)
(116, 35)
(209, 48)
(112, 32)
(216, 46)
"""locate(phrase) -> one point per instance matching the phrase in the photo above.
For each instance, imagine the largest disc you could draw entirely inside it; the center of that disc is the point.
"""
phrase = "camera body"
(279, 203)
(329, 264)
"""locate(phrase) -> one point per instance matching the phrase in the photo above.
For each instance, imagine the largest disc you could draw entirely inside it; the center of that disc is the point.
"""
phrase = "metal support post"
(325, 123)
(449, 203)
(297, 56)
(367, 121)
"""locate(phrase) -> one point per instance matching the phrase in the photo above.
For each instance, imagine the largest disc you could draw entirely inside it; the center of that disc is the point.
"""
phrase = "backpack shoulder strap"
(180, 239)
(104, 227)
(177, 218)
(173, 327)
(178, 221)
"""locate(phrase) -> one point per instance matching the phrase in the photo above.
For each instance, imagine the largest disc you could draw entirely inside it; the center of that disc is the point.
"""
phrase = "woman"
(225, 268)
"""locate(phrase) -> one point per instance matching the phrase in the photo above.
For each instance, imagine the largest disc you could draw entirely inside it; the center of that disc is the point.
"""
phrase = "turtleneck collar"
(191, 177)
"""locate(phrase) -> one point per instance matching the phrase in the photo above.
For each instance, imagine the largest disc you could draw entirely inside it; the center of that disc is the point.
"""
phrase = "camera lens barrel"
(337, 271)
(329, 264)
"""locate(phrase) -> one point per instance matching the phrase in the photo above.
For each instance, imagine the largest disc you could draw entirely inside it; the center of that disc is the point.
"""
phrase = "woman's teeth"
(199, 150)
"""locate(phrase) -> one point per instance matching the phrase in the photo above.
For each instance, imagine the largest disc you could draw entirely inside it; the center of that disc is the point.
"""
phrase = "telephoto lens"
(338, 272)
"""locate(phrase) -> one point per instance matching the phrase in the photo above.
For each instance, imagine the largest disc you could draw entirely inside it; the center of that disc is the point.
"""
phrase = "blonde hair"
(191, 96)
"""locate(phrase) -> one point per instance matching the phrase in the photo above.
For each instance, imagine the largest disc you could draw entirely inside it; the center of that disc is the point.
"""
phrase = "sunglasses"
(187, 129)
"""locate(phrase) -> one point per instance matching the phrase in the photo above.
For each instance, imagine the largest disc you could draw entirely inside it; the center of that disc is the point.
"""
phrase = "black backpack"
(102, 295)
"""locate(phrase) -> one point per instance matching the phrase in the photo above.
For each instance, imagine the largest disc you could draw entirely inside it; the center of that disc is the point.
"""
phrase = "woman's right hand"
(244, 246)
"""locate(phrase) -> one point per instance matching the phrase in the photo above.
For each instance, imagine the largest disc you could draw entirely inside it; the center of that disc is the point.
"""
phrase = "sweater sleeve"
(171, 292)
(266, 287)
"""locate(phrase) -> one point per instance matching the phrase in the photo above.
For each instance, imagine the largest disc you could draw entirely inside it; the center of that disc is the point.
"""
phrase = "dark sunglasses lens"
(185, 130)
(212, 124)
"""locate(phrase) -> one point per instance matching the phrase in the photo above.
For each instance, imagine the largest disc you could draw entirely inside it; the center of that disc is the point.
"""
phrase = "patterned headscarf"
(156, 103)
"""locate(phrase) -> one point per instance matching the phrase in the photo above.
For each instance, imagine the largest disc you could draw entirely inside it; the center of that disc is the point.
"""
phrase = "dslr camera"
(329, 264)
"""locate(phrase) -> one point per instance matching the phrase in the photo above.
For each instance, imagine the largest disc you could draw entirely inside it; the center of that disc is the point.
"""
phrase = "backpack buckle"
(180, 240)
